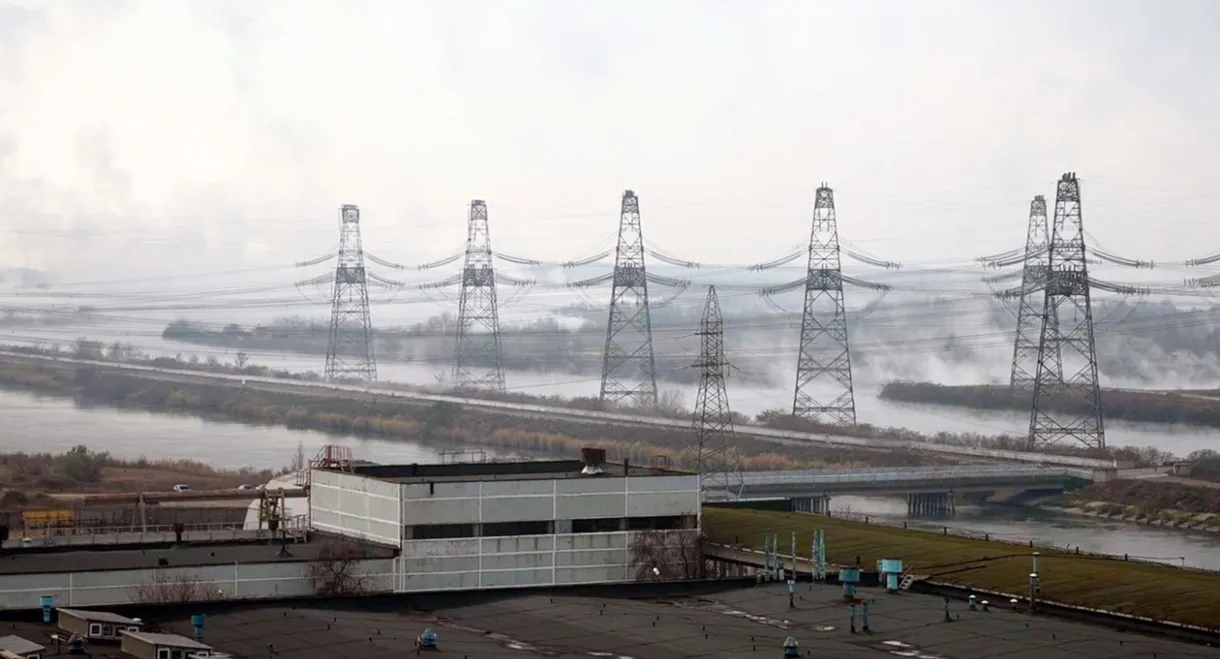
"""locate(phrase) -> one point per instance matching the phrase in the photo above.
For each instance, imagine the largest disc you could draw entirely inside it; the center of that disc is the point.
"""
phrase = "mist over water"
(744, 396)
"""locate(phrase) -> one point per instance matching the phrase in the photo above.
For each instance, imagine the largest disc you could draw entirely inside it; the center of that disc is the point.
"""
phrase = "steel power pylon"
(349, 350)
(1069, 343)
(823, 370)
(478, 362)
(1029, 310)
(629, 371)
(717, 459)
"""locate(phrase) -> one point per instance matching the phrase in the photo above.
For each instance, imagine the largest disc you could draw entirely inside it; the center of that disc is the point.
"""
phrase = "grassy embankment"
(401, 419)
(1163, 592)
(29, 479)
(777, 419)
(1118, 405)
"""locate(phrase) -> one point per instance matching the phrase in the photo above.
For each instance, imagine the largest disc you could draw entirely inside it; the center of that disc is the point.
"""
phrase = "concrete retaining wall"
(117, 587)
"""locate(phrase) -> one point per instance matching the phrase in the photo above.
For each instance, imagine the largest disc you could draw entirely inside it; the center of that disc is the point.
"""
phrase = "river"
(1179, 440)
(53, 424)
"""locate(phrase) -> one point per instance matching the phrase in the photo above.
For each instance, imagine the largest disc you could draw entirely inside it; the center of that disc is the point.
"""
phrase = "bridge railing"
(915, 475)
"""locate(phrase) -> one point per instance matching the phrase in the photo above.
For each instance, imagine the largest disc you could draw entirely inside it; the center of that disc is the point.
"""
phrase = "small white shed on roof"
(149, 645)
(96, 624)
(20, 647)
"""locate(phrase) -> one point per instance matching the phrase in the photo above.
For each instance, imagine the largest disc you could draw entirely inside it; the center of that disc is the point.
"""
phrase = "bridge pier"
(819, 505)
(931, 504)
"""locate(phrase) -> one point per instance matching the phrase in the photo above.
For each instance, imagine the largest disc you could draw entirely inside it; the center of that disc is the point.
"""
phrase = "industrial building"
(504, 524)
(403, 528)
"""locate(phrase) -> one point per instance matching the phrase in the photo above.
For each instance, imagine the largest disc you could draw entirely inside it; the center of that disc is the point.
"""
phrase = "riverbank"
(1129, 587)
(395, 418)
(669, 407)
(1167, 407)
(1155, 502)
(40, 479)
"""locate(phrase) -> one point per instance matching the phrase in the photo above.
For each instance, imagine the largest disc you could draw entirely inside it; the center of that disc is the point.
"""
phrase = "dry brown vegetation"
(1149, 497)
(670, 403)
(403, 419)
(336, 570)
(1166, 407)
(27, 477)
(174, 589)
(670, 554)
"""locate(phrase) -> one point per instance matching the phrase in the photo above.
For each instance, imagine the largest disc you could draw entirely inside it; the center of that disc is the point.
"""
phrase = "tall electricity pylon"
(478, 362)
(717, 461)
(629, 371)
(823, 370)
(1069, 343)
(349, 350)
(1029, 311)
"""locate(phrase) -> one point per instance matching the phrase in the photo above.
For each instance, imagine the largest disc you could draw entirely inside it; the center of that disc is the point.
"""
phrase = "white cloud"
(222, 123)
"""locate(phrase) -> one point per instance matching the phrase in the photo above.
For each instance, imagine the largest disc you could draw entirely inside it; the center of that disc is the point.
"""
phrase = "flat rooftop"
(38, 561)
(500, 471)
(751, 622)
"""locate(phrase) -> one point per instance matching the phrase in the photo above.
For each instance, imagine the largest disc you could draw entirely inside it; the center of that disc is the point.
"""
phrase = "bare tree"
(172, 588)
(669, 554)
(336, 571)
(241, 360)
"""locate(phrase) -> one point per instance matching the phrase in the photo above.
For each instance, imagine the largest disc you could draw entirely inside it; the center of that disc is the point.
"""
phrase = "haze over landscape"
(170, 161)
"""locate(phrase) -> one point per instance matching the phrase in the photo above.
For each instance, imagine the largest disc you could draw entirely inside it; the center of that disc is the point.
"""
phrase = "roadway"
(782, 437)
(889, 481)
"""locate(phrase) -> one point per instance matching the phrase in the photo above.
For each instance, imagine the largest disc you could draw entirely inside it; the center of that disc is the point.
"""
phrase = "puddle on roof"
(715, 607)
(900, 649)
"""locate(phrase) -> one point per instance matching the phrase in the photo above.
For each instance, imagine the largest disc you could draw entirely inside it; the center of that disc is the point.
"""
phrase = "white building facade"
(499, 525)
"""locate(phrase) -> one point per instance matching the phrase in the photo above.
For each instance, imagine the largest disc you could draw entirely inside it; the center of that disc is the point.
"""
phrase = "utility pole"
(823, 370)
(717, 461)
(349, 349)
(629, 371)
(1069, 343)
(1029, 311)
(478, 362)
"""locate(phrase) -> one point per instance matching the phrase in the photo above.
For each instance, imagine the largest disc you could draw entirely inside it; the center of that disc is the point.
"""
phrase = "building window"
(95, 629)
(603, 525)
(163, 653)
(501, 529)
(664, 523)
(442, 531)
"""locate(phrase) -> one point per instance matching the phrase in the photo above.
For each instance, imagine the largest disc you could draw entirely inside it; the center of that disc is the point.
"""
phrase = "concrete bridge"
(781, 437)
(928, 490)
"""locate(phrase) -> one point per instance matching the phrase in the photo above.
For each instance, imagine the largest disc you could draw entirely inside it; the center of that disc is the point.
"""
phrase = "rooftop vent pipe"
(593, 459)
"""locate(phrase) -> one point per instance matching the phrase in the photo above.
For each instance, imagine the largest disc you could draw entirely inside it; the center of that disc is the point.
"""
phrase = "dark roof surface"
(98, 616)
(752, 622)
(31, 562)
(19, 645)
(169, 640)
(498, 471)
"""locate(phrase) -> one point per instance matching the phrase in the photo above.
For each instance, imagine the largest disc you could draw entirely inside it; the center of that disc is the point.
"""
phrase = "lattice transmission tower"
(349, 350)
(478, 362)
(1069, 343)
(717, 459)
(1029, 310)
(823, 371)
(629, 371)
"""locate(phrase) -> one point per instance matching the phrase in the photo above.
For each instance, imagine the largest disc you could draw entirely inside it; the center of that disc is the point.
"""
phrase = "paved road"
(783, 437)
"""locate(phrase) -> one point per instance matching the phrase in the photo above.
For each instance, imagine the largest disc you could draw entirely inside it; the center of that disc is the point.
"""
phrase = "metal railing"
(914, 475)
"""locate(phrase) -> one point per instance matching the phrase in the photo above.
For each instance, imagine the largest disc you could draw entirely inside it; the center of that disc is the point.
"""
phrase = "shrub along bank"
(1124, 405)
(399, 419)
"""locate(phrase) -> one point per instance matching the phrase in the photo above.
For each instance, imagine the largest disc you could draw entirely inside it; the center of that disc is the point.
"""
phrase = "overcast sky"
(180, 135)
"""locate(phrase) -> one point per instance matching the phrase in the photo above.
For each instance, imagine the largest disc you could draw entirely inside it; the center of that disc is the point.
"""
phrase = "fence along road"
(604, 418)
(889, 480)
